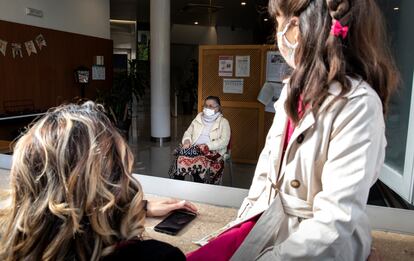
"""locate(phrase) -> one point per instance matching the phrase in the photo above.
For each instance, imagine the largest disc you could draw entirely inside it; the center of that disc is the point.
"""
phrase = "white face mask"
(287, 50)
(208, 112)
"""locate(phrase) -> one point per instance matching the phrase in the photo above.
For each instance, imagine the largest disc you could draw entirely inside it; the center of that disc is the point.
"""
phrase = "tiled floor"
(154, 160)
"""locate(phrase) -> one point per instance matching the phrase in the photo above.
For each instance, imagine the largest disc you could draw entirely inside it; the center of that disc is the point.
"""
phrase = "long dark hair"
(322, 58)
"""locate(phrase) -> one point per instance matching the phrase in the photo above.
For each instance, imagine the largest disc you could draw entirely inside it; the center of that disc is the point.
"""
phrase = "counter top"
(391, 246)
(218, 207)
(209, 219)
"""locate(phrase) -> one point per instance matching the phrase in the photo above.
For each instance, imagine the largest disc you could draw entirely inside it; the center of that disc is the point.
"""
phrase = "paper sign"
(226, 66)
(233, 86)
(242, 66)
(276, 67)
(98, 72)
(269, 94)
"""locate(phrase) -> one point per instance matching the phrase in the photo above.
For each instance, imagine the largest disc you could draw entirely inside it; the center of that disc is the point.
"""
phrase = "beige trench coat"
(219, 133)
(331, 161)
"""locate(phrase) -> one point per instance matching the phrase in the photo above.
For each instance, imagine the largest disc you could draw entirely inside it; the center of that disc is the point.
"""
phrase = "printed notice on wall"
(226, 66)
(276, 67)
(98, 72)
(233, 86)
(242, 66)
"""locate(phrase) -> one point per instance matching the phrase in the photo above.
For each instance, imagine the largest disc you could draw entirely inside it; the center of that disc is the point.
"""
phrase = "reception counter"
(393, 229)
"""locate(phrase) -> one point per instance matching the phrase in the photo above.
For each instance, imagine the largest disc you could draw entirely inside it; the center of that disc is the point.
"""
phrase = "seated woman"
(73, 196)
(203, 146)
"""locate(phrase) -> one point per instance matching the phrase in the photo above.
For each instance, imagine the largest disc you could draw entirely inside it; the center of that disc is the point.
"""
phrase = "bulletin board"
(247, 117)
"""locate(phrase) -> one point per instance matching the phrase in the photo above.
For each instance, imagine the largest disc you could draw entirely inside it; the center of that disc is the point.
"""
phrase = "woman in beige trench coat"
(321, 175)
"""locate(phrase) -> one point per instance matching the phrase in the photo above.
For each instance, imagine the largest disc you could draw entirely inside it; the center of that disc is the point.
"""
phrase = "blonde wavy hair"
(72, 192)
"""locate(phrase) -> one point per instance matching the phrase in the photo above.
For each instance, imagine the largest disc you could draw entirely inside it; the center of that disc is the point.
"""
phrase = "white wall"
(124, 41)
(87, 17)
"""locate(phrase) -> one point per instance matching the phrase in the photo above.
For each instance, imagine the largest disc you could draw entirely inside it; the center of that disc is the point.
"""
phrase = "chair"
(5, 147)
(228, 159)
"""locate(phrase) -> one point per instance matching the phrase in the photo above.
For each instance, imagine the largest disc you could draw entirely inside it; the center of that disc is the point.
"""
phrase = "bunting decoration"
(30, 47)
(17, 50)
(3, 47)
(41, 42)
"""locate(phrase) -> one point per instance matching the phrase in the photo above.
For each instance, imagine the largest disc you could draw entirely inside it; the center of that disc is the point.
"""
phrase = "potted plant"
(187, 91)
(118, 100)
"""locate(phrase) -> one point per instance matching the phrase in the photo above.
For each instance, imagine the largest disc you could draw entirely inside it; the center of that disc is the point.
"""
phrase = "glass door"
(398, 169)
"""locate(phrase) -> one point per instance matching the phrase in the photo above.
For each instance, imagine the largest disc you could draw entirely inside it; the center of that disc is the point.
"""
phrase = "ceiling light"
(396, 8)
(265, 19)
(243, 3)
(195, 22)
(115, 21)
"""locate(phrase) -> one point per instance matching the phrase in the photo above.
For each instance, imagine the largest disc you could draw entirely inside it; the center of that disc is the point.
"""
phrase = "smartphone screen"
(176, 221)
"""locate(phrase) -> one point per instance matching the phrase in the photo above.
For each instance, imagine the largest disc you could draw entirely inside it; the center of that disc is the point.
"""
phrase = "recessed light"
(195, 22)
(265, 19)
(243, 3)
(396, 8)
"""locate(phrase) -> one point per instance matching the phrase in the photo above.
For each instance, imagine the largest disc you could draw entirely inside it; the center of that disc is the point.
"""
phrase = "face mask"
(208, 112)
(287, 50)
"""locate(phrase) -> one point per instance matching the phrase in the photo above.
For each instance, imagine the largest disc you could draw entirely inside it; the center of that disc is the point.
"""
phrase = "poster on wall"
(276, 67)
(3, 47)
(233, 86)
(269, 94)
(98, 72)
(226, 66)
(83, 76)
(243, 66)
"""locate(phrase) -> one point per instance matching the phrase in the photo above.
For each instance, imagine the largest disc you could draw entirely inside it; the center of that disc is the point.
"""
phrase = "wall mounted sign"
(226, 66)
(243, 66)
(233, 86)
(98, 72)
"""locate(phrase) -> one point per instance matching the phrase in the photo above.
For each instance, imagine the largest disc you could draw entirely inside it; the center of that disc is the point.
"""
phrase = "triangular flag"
(30, 47)
(3, 47)
(17, 50)
(40, 41)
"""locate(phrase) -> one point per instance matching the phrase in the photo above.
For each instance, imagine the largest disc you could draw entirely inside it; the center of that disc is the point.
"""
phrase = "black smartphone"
(176, 221)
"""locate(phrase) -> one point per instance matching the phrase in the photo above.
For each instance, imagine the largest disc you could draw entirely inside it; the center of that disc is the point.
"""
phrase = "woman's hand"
(159, 208)
(186, 144)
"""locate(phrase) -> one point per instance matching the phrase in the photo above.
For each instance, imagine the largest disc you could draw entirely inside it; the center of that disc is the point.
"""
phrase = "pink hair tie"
(338, 29)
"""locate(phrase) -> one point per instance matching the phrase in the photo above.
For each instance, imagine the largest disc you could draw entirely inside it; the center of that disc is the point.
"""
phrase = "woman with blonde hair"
(73, 195)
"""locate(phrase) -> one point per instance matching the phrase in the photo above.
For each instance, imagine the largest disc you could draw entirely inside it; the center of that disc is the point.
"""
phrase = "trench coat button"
(295, 183)
(300, 138)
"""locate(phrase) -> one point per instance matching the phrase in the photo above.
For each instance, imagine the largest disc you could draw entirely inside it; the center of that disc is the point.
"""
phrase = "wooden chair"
(5, 147)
